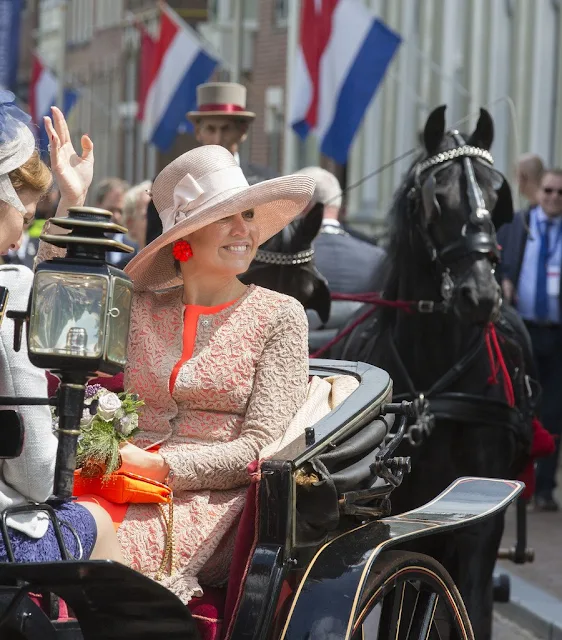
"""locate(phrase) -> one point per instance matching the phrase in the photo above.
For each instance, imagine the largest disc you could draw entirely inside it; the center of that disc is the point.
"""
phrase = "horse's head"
(460, 200)
(285, 263)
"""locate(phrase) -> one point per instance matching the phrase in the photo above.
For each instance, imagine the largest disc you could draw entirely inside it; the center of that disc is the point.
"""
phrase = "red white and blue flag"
(343, 54)
(181, 62)
(43, 93)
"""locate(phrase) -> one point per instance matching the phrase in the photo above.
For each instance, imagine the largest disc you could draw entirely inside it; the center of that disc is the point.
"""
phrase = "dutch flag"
(43, 93)
(181, 62)
(343, 54)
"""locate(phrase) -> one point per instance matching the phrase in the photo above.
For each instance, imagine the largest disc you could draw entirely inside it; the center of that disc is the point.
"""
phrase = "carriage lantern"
(79, 320)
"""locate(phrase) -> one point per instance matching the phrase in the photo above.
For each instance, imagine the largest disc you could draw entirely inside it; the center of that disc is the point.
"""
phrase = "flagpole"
(290, 138)
(62, 54)
(237, 39)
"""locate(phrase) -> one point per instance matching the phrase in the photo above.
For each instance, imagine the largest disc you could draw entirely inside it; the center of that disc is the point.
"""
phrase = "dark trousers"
(547, 347)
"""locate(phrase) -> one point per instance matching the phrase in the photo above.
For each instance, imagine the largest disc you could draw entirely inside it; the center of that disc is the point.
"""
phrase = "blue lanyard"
(543, 230)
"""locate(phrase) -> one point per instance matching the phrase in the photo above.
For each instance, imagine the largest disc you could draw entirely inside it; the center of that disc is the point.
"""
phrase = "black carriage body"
(319, 537)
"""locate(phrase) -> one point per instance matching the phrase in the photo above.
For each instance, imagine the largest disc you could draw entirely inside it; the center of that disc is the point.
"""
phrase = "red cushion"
(246, 537)
(208, 611)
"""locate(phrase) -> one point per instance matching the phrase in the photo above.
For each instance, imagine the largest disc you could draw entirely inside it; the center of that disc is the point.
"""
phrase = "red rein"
(497, 364)
(495, 355)
(367, 298)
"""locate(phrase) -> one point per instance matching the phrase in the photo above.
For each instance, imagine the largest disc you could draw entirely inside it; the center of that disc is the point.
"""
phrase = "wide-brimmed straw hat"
(221, 99)
(200, 187)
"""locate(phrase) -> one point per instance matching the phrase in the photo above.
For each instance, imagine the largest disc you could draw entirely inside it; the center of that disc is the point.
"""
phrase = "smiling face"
(226, 247)
(13, 222)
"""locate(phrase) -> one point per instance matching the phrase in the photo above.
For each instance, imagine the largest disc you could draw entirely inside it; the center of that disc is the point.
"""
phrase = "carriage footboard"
(337, 579)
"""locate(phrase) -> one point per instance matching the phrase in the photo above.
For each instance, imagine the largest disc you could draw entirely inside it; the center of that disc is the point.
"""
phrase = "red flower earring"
(182, 250)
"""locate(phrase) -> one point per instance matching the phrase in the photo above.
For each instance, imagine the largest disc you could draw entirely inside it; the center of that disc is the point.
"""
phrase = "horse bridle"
(284, 259)
(478, 234)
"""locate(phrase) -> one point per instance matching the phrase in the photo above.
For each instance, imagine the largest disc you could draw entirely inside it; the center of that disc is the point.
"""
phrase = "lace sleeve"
(47, 251)
(279, 390)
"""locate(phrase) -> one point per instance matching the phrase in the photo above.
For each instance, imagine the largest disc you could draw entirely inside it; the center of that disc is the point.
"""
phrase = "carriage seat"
(320, 334)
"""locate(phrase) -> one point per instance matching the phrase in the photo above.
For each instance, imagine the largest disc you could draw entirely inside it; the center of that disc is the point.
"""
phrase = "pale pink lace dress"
(238, 392)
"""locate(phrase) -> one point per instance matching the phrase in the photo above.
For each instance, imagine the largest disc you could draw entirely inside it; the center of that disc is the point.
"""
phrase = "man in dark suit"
(349, 264)
(530, 277)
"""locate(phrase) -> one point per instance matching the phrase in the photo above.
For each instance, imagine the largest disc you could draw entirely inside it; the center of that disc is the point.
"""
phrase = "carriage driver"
(349, 264)
(222, 118)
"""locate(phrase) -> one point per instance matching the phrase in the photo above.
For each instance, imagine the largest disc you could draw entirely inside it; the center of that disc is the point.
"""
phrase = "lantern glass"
(67, 312)
(118, 321)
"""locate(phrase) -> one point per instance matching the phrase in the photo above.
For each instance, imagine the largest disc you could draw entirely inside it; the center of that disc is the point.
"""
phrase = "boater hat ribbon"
(189, 193)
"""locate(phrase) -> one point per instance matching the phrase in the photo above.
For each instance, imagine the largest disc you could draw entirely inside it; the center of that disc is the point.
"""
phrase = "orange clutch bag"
(122, 487)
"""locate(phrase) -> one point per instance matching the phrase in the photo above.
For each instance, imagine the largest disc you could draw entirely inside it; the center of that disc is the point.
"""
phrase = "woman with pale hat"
(222, 367)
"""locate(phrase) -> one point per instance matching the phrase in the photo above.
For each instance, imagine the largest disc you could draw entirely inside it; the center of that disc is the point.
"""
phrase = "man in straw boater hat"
(221, 367)
(222, 118)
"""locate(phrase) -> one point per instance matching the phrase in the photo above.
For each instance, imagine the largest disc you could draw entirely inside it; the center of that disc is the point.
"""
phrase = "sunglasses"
(549, 190)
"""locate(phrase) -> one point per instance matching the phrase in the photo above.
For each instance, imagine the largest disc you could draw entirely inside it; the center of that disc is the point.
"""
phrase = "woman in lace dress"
(222, 367)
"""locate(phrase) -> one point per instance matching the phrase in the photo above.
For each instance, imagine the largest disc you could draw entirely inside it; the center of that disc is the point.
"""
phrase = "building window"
(79, 21)
(281, 12)
(109, 13)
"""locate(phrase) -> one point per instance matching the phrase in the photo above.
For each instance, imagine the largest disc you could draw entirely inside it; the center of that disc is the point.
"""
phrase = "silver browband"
(284, 259)
(459, 152)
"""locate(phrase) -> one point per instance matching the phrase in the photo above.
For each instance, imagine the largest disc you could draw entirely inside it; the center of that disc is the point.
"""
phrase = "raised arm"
(73, 175)
(279, 391)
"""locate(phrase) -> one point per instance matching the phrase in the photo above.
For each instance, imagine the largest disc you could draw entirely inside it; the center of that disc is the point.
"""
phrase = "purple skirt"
(78, 529)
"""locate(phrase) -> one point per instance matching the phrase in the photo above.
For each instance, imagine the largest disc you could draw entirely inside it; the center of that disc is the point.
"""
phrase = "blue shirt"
(526, 287)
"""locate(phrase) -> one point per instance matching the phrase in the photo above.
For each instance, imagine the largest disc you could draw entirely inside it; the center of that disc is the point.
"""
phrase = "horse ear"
(434, 129)
(311, 223)
(321, 300)
(503, 211)
(483, 135)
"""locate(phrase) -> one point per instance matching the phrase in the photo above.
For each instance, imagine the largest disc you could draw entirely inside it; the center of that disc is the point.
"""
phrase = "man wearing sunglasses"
(530, 278)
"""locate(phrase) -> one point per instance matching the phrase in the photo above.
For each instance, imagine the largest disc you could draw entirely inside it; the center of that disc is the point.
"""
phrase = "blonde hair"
(33, 175)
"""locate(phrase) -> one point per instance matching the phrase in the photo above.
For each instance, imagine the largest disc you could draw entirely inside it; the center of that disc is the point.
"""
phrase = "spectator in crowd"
(109, 194)
(222, 118)
(135, 204)
(349, 264)
(529, 172)
(530, 278)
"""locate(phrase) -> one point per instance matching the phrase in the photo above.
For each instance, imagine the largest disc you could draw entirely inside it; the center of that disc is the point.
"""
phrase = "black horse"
(469, 373)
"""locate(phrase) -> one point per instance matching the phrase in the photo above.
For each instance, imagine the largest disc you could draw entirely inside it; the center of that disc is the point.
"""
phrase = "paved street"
(505, 629)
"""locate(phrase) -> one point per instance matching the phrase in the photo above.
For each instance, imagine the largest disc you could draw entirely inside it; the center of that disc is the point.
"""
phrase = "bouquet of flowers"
(108, 420)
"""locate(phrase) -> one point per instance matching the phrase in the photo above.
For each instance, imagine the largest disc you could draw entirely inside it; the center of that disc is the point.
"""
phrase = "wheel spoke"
(391, 615)
(423, 615)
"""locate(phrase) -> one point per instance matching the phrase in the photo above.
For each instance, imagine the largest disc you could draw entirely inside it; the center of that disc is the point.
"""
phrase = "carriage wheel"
(411, 597)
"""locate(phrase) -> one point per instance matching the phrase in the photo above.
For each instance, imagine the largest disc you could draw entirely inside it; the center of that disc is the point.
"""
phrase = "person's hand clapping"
(73, 173)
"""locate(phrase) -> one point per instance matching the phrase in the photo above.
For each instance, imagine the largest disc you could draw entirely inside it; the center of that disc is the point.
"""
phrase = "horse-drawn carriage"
(317, 554)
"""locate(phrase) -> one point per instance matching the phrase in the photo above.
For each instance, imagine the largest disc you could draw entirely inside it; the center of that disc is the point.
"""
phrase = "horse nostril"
(468, 294)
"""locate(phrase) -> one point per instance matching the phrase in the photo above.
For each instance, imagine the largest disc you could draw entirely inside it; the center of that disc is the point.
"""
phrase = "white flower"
(128, 424)
(86, 419)
(108, 404)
